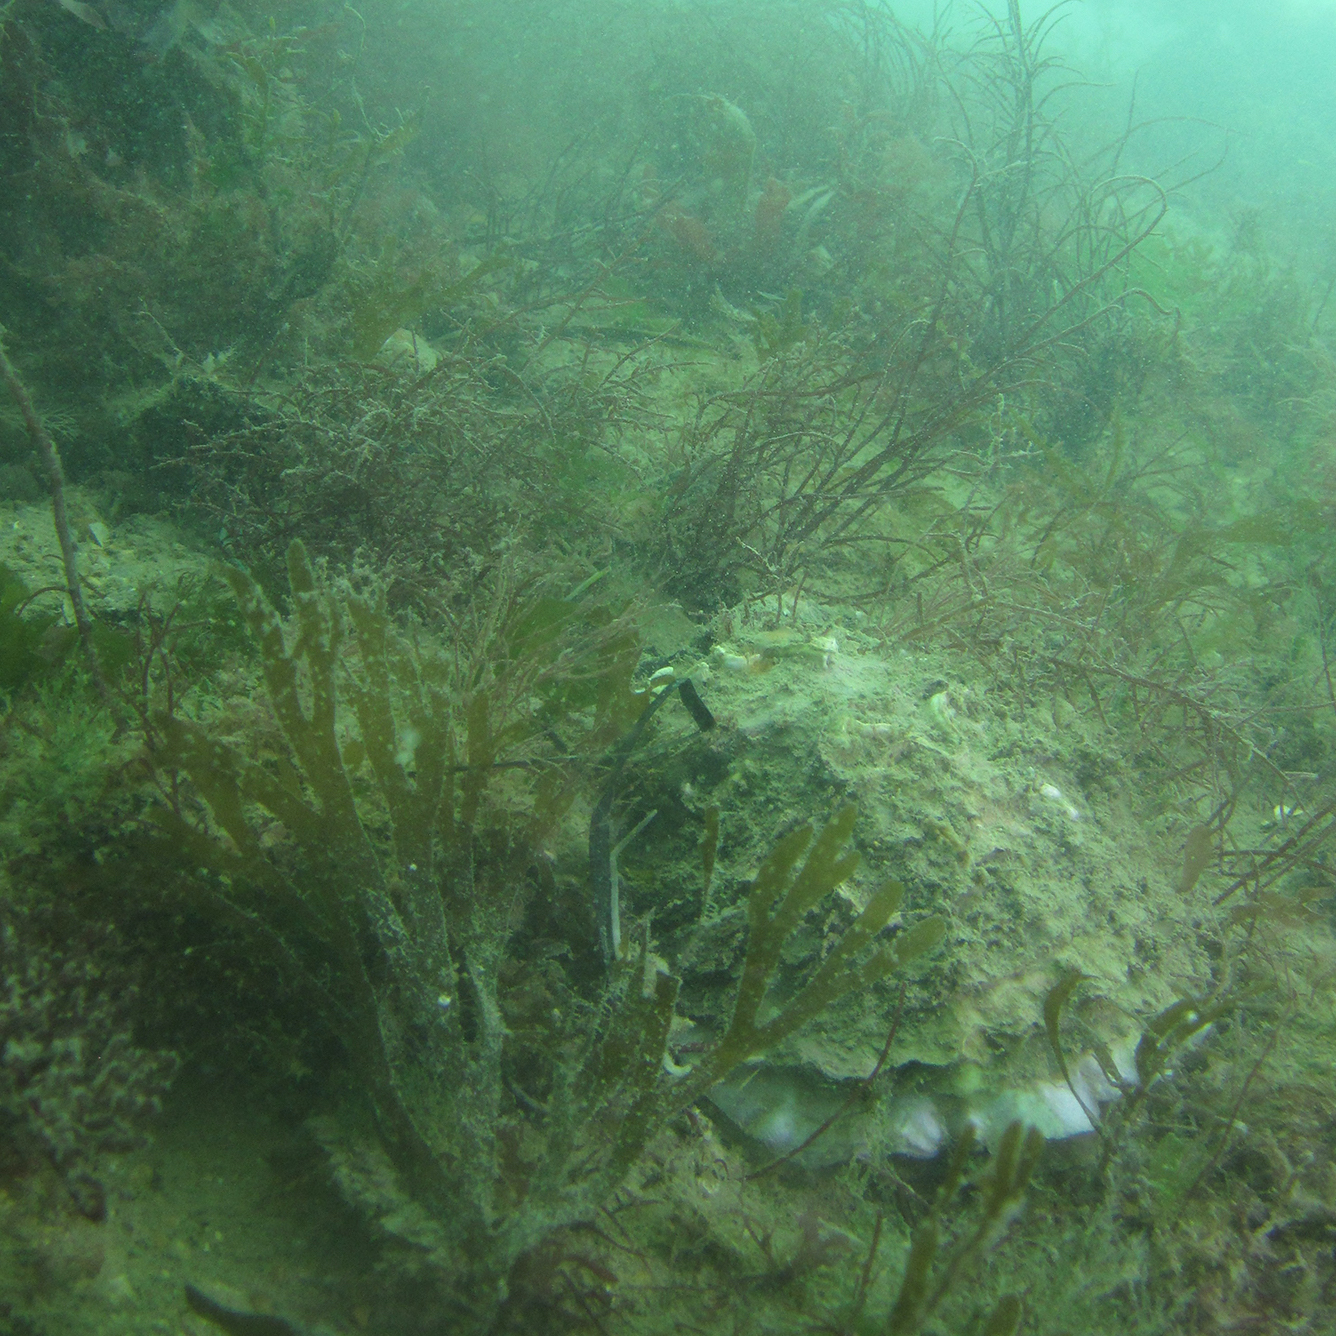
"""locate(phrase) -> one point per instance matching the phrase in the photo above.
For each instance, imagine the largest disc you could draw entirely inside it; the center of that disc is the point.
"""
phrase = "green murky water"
(666, 667)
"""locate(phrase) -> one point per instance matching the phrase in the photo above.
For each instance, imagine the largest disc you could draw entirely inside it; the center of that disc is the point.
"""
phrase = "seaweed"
(49, 458)
(425, 475)
(777, 902)
(709, 848)
(387, 298)
(1020, 279)
(602, 852)
(413, 797)
(779, 333)
(34, 646)
(943, 1250)
(28, 645)
(1164, 1037)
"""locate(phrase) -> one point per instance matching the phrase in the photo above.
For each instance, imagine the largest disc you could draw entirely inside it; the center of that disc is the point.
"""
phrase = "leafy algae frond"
(399, 897)
(777, 904)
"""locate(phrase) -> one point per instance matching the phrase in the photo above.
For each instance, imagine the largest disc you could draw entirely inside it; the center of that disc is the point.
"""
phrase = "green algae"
(1094, 625)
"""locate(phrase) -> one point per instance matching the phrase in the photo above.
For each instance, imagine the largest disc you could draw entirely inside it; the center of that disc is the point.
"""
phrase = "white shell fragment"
(827, 647)
(404, 348)
(733, 663)
(915, 1128)
(1056, 795)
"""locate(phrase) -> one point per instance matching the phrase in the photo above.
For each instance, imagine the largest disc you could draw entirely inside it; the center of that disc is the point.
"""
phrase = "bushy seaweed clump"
(414, 799)
(420, 471)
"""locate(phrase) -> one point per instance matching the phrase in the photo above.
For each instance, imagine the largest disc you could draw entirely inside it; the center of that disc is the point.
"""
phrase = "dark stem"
(55, 481)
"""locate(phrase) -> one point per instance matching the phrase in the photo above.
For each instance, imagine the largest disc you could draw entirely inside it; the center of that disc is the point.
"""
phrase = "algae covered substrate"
(701, 695)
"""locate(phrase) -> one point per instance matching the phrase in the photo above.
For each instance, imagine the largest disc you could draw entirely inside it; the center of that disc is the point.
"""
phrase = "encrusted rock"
(72, 1082)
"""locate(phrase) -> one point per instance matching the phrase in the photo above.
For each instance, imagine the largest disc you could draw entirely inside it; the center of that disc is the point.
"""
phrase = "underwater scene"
(667, 666)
